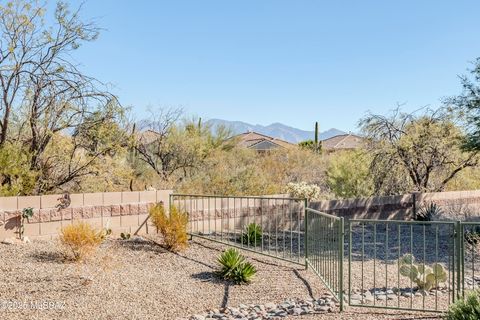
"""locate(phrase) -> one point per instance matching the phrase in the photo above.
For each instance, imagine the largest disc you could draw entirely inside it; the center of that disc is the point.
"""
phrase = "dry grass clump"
(173, 227)
(80, 240)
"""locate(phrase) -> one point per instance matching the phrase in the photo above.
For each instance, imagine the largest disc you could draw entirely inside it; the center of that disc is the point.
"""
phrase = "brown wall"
(120, 211)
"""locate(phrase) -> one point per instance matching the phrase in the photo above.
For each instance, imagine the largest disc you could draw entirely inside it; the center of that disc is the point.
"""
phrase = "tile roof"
(252, 139)
(343, 141)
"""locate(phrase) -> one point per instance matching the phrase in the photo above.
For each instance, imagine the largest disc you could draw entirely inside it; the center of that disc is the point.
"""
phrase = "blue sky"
(291, 61)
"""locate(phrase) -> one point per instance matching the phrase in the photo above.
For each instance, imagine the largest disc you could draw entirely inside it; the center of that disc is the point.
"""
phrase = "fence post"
(458, 257)
(305, 203)
(341, 238)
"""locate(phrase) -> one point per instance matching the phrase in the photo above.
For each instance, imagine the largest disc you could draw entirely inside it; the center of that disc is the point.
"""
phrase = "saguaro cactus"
(425, 277)
(316, 146)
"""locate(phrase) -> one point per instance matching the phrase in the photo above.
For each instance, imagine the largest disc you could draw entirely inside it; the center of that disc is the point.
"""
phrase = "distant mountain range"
(276, 130)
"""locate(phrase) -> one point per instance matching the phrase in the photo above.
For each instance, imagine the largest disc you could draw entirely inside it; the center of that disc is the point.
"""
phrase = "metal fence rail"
(267, 225)
(469, 269)
(391, 264)
(324, 249)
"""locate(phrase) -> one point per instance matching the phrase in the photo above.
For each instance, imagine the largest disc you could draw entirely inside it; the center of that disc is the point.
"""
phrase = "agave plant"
(425, 277)
(428, 212)
(233, 266)
(252, 235)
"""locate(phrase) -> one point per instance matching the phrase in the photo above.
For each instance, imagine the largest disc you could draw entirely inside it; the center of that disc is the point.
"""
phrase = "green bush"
(465, 309)
(233, 266)
(252, 235)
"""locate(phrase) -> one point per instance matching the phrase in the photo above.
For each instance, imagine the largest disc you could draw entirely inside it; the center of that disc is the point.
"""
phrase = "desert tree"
(467, 104)
(44, 92)
(420, 151)
(175, 147)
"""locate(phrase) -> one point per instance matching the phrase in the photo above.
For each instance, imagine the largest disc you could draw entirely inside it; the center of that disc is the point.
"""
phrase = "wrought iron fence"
(405, 265)
(324, 252)
(267, 225)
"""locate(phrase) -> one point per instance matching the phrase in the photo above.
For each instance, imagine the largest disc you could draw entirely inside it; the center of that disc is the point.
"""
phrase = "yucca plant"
(233, 266)
(428, 212)
(252, 235)
(465, 309)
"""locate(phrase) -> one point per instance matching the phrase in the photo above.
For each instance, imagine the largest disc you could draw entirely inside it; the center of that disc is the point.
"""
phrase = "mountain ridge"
(277, 130)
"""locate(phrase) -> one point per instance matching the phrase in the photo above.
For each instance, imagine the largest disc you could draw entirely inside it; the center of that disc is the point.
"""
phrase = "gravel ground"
(140, 280)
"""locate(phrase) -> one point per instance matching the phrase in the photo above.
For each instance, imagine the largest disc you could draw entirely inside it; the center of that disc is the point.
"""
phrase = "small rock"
(356, 297)
(26, 240)
(8, 241)
(270, 306)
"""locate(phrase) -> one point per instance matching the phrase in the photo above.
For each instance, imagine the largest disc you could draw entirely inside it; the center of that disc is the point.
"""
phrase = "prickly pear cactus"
(425, 277)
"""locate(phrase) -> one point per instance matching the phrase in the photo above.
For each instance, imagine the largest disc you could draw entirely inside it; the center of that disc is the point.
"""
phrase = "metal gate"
(324, 252)
(412, 265)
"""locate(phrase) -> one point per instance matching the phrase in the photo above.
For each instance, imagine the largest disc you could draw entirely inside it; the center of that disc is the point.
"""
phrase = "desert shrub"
(242, 171)
(465, 309)
(252, 234)
(233, 266)
(81, 239)
(304, 190)
(472, 236)
(125, 236)
(428, 212)
(173, 227)
(348, 174)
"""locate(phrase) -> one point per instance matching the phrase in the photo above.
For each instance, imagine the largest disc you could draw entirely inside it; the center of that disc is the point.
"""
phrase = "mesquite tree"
(43, 92)
(415, 152)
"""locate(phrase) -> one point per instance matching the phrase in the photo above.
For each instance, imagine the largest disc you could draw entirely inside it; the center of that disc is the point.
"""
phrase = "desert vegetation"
(172, 226)
(61, 130)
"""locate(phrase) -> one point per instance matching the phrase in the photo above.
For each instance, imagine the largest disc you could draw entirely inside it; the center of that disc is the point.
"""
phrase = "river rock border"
(290, 307)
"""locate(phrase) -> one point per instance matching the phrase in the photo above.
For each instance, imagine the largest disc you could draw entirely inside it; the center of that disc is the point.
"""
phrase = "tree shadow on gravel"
(305, 282)
(207, 276)
(147, 246)
(49, 257)
(59, 284)
(150, 245)
(212, 277)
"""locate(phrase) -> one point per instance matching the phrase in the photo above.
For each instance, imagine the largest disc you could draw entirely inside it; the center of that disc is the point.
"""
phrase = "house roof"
(147, 136)
(255, 140)
(343, 141)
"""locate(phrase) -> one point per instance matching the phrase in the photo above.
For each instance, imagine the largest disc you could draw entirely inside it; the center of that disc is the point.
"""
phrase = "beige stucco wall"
(120, 211)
